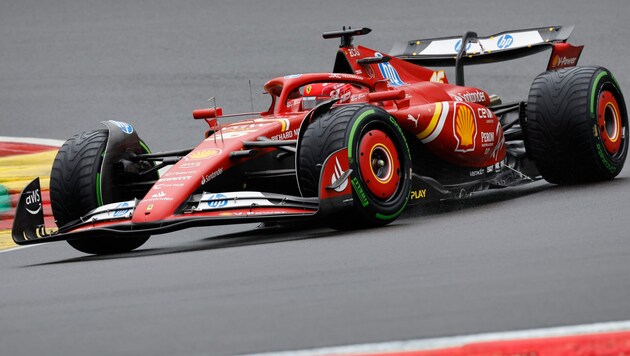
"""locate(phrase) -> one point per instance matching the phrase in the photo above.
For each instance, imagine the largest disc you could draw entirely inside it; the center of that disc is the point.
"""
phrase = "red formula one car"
(352, 147)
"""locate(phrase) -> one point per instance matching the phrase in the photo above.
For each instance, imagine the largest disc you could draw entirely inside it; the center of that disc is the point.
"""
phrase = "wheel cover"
(379, 164)
(609, 122)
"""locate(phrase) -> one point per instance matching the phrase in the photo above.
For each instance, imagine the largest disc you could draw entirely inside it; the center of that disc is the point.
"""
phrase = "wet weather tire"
(577, 125)
(378, 156)
(75, 190)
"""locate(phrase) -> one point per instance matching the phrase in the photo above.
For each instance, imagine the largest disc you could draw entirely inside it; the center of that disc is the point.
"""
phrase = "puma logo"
(411, 118)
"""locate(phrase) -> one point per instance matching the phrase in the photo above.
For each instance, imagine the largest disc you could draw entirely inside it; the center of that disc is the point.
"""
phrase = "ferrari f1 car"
(353, 147)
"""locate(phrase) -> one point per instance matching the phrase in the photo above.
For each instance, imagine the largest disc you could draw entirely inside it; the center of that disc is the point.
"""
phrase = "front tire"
(377, 154)
(75, 189)
(577, 125)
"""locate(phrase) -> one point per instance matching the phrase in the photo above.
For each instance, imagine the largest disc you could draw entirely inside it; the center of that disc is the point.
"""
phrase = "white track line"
(32, 140)
(455, 341)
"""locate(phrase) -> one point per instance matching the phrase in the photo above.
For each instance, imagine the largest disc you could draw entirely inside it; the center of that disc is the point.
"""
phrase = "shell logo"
(465, 129)
(561, 61)
(205, 153)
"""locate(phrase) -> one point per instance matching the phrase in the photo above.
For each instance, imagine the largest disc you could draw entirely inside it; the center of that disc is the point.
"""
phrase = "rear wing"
(502, 46)
(508, 45)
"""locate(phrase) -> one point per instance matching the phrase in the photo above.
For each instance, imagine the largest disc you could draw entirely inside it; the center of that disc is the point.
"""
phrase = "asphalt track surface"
(531, 257)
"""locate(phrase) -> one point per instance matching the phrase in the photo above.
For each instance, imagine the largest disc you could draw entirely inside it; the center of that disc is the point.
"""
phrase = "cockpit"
(306, 95)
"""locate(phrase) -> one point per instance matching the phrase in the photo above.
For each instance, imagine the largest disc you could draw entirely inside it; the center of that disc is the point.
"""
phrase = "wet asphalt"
(529, 257)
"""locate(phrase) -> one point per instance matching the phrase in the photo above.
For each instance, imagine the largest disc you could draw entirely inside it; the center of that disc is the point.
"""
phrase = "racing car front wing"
(115, 219)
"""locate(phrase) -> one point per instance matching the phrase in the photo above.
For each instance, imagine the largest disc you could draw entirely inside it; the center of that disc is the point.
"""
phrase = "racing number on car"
(438, 76)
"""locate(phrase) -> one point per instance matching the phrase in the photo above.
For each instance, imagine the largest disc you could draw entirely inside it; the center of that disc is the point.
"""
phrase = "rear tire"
(75, 190)
(577, 125)
(377, 154)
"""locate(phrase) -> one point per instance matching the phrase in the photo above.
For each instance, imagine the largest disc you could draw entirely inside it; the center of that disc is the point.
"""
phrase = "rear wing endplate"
(508, 45)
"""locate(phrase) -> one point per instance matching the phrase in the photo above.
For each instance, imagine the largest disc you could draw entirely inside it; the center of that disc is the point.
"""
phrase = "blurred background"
(67, 65)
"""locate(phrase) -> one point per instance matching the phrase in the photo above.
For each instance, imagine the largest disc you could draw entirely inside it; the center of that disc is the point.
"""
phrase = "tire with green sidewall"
(562, 134)
(75, 190)
(346, 126)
